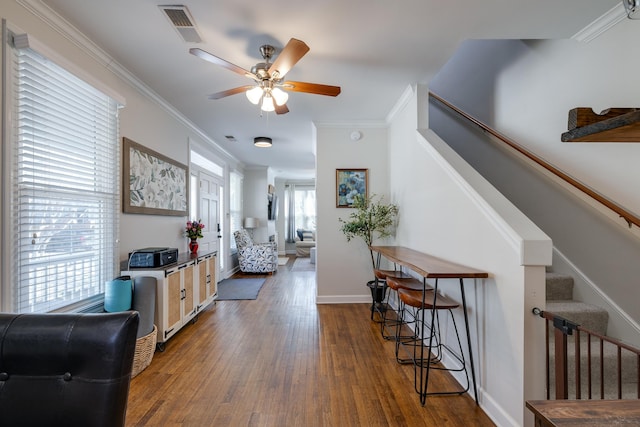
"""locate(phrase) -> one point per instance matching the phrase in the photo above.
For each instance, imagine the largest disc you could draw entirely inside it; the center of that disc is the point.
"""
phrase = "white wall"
(525, 89)
(335, 150)
(254, 196)
(448, 210)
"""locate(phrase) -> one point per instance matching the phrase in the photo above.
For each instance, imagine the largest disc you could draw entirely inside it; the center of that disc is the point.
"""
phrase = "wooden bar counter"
(431, 267)
(427, 265)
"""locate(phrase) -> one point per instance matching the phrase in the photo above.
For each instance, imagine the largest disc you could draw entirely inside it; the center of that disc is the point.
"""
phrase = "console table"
(584, 413)
(430, 267)
(184, 289)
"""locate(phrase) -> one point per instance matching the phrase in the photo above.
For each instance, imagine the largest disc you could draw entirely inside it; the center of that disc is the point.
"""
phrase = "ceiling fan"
(269, 77)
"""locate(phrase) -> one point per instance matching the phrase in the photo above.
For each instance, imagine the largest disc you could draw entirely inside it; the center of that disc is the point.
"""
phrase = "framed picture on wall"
(153, 184)
(349, 183)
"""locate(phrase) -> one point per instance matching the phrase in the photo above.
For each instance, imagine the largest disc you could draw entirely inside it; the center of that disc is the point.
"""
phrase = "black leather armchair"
(66, 369)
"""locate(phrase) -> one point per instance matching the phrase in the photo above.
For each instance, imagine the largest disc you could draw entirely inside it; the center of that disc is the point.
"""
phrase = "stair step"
(559, 286)
(586, 315)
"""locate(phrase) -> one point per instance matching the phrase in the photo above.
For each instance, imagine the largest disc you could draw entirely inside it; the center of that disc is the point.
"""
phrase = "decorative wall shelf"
(612, 125)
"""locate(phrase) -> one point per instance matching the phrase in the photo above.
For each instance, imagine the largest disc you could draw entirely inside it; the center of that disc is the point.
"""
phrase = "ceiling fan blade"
(290, 55)
(230, 92)
(281, 109)
(221, 62)
(315, 88)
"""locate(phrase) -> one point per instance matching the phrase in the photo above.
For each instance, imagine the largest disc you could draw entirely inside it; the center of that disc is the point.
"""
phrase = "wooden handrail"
(629, 217)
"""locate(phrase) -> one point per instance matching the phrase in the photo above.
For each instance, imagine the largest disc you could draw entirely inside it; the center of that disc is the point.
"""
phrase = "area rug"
(303, 264)
(282, 260)
(237, 289)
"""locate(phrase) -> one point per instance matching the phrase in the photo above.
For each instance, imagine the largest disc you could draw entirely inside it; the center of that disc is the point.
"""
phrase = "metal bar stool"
(381, 280)
(405, 318)
(430, 302)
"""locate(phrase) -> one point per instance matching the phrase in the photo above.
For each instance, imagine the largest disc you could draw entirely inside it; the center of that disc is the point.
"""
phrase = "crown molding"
(77, 38)
(404, 99)
(602, 24)
(366, 124)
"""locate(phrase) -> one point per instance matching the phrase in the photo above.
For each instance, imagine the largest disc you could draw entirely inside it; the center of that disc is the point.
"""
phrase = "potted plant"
(371, 220)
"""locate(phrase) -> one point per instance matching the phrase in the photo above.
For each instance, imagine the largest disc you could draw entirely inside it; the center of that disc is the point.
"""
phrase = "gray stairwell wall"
(602, 255)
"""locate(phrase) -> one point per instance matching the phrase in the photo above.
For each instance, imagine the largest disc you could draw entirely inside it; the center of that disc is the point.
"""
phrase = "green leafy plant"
(372, 219)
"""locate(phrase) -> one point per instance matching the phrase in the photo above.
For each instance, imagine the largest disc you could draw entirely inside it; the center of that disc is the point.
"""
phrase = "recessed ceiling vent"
(183, 22)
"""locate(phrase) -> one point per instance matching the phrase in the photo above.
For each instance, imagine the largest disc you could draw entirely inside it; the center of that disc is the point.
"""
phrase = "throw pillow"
(299, 233)
(308, 235)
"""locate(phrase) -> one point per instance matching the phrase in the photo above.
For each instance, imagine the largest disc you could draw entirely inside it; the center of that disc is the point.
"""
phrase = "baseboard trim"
(343, 299)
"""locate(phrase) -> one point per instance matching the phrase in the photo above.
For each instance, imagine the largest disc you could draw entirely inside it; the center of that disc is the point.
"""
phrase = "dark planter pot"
(378, 292)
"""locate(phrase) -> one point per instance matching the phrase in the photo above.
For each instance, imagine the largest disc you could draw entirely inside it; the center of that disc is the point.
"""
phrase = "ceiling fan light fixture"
(262, 142)
(267, 103)
(279, 96)
(633, 8)
(254, 95)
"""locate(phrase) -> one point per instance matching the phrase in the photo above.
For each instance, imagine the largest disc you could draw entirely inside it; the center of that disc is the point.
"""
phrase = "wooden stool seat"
(414, 298)
(409, 283)
(383, 274)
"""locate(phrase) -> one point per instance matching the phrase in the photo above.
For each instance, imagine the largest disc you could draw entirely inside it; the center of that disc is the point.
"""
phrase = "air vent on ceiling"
(182, 21)
(230, 138)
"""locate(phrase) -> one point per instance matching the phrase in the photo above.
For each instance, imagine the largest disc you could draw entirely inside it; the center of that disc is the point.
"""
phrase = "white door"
(209, 212)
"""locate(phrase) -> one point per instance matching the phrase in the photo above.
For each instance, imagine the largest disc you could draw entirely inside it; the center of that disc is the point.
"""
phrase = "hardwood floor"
(282, 360)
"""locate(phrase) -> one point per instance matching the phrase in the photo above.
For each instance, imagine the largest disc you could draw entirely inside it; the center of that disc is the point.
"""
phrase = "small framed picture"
(349, 183)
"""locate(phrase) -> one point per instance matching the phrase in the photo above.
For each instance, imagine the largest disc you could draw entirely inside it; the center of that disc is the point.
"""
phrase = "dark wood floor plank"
(282, 360)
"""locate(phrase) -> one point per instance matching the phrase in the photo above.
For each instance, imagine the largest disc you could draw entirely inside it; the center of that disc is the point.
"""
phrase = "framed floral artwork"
(350, 182)
(152, 183)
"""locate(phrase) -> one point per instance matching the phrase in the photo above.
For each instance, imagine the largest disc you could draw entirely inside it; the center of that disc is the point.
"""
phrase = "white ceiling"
(373, 49)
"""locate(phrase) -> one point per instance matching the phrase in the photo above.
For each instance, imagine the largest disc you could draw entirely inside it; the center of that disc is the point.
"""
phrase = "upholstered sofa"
(66, 369)
(255, 257)
(304, 240)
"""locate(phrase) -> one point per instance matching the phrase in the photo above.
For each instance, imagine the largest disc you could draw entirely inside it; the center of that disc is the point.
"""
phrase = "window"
(64, 177)
(305, 207)
(300, 209)
(235, 205)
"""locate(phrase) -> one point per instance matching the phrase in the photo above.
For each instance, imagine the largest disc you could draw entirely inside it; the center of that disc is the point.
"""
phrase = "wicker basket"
(145, 347)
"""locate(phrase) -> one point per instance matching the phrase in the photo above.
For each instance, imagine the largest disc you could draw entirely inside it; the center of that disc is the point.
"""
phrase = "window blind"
(65, 199)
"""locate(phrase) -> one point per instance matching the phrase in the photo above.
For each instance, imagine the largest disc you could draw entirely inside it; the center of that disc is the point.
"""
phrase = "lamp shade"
(254, 95)
(262, 141)
(267, 103)
(251, 223)
(281, 96)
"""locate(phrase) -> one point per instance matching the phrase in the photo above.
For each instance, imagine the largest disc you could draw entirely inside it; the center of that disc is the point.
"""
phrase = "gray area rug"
(303, 264)
(237, 289)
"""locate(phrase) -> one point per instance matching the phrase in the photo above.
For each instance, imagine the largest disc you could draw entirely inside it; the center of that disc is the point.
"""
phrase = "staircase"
(560, 301)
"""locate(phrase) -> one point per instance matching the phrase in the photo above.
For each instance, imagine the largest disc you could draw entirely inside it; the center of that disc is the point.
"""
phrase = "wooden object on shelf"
(612, 125)
(582, 413)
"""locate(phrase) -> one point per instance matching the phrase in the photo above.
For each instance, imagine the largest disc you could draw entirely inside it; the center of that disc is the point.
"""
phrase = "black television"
(272, 212)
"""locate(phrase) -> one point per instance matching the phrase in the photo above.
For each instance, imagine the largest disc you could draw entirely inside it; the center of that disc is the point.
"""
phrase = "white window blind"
(65, 198)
